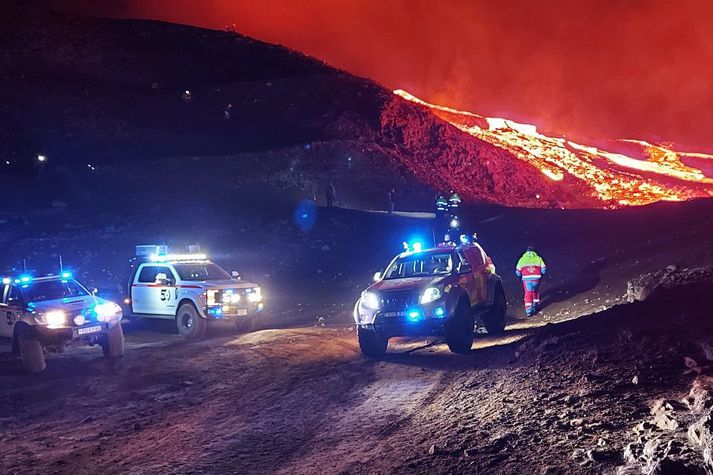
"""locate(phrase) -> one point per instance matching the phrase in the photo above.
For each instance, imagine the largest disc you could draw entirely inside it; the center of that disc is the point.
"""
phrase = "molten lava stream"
(613, 178)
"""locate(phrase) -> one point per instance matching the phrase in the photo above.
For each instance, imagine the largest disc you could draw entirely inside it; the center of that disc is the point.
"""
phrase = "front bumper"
(428, 319)
(233, 312)
(88, 331)
(399, 327)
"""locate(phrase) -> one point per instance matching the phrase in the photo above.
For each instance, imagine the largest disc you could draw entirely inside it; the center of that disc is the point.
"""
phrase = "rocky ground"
(603, 393)
(578, 395)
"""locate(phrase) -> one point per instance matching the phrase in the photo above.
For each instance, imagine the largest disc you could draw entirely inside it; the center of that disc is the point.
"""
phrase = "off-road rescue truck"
(436, 291)
(50, 313)
(190, 289)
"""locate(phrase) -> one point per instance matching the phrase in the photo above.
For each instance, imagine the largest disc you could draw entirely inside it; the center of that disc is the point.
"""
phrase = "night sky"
(629, 68)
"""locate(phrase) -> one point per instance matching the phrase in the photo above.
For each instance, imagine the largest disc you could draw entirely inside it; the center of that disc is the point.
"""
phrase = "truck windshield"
(201, 272)
(420, 265)
(40, 291)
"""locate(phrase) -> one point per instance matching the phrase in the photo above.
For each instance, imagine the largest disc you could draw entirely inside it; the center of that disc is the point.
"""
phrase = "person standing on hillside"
(441, 206)
(454, 202)
(331, 194)
(390, 200)
(530, 268)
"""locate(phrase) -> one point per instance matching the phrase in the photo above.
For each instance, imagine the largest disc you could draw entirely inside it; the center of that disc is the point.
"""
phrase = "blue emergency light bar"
(413, 247)
(26, 279)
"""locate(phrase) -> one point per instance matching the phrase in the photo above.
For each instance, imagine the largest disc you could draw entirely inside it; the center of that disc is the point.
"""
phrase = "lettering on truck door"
(154, 290)
(11, 304)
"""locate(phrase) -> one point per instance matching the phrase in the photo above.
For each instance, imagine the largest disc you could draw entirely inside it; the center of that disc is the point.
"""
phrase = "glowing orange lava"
(614, 178)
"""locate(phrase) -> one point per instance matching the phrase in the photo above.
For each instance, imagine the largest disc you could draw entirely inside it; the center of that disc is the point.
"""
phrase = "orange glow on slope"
(614, 178)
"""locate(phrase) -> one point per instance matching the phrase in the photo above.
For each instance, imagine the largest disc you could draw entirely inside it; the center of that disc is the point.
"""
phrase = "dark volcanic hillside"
(105, 92)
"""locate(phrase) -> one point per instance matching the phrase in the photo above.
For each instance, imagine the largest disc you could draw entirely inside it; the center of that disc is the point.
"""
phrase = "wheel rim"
(187, 321)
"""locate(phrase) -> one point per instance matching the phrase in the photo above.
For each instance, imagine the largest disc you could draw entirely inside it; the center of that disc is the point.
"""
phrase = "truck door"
(465, 278)
(476, 259)
(11, 308)
(153, 291)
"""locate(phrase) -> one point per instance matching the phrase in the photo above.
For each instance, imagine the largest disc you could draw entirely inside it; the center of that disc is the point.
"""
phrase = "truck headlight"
(255, 296)
(212, 296)
(430, 294)
(106, 310)
(230, 296)
(370, 300)
(55, 318)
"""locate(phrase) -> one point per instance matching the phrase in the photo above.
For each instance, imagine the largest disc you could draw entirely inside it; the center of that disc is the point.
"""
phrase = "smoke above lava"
(590, 68)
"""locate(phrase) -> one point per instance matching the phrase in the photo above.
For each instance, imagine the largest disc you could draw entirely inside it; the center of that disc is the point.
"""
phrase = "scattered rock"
(571, 399)
(641, 287)
(691, 365)
(604, 455)
(432, 450)
(663, 414)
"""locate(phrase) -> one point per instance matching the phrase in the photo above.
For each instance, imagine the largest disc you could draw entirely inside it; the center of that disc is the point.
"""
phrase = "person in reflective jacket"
(530, 268)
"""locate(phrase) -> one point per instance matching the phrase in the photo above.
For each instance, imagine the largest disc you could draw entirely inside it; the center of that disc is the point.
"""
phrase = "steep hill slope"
(98, 92)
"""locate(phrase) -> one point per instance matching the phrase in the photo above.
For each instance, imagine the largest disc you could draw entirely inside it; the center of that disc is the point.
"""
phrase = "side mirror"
(95, 291)
(378, 277)
(235, 275)
(466, 269)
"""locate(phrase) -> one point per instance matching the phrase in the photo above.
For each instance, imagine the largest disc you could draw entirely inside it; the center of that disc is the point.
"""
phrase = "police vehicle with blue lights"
(442, 290)
(50, 313)
(191, 290)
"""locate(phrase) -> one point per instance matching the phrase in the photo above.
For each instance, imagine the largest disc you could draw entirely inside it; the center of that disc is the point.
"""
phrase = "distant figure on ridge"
(331, 194)
(390, 200)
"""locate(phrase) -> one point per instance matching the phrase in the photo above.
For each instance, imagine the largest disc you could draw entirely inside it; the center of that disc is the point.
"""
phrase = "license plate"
(242, 312)
(86, 330)
(394, 314)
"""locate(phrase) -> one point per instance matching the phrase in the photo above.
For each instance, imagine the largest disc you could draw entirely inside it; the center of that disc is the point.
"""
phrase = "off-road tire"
(245, 325)
(31, 352)
(459, 330)
(113, 343)
(494, 318)
(189, 322)
(372, 345)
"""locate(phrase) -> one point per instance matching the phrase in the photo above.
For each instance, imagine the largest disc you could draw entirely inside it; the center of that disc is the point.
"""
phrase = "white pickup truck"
(190, 289)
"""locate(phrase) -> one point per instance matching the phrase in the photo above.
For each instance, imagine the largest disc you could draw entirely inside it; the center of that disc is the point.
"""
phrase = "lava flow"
(615, 179)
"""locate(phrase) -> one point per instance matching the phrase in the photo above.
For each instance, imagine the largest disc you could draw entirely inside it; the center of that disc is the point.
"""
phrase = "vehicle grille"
(398, 301)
